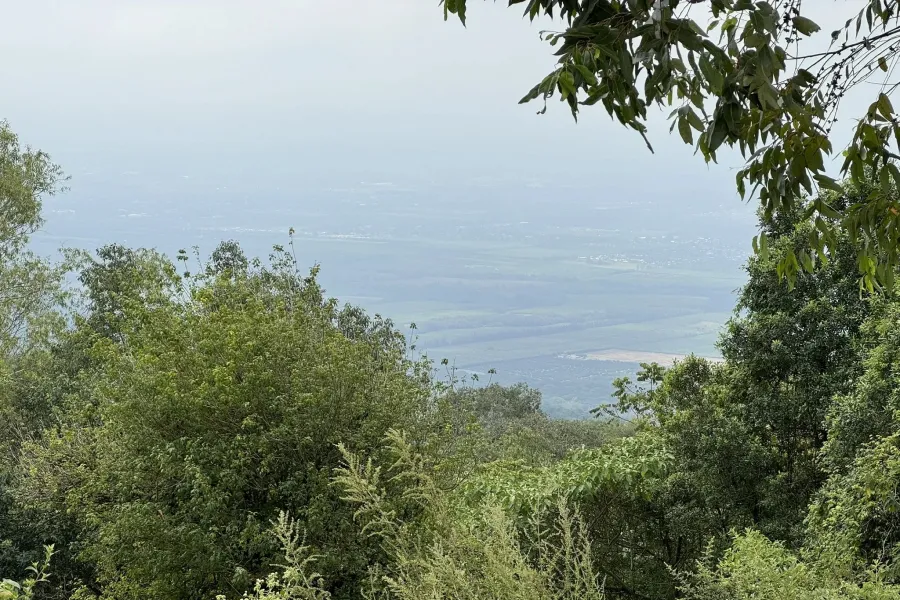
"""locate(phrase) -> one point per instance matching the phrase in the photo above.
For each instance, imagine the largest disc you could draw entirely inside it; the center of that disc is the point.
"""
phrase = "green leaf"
(684, 129)
(715, 77)
(586, 74)
(756, 40)
(884, 179)
(813, 156)
(895, 173)
(806, 259)
(531, 95)
(827, 183)
(805, 26)
(768, 95)
(717, 134)
(884, 106)
(693, 119)
(857, 169)
(805, 76)
(566, 84)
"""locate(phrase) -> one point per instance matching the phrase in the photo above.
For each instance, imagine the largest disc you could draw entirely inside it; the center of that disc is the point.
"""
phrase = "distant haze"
(392, 141)
(290, 91)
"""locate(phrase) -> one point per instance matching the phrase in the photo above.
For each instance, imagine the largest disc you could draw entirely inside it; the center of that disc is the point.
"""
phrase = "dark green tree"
(746, 437)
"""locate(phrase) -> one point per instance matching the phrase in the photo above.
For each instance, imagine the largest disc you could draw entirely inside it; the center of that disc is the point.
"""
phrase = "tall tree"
(27, 284)
(30, 292)
(745, 438)
(208, 405)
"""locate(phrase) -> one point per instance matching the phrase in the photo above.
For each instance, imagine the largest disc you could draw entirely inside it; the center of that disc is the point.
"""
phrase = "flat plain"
(493, 276)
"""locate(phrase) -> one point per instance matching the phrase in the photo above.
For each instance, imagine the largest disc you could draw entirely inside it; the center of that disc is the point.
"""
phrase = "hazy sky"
(302, 90)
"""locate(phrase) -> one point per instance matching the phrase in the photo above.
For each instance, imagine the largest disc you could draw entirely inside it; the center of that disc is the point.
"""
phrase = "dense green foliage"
(25, 590)
(235, 433)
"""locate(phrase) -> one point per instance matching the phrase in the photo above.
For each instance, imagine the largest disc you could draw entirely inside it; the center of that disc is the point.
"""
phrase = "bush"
(438, 549)
(758, 569)
(13, 590)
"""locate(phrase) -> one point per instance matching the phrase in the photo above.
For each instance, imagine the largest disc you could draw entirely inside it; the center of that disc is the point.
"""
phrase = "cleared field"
(494, 277)
(676, 335)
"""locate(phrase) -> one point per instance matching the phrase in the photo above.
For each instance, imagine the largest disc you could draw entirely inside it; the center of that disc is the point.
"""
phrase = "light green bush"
(295, 581)
(14, 590)
(758, 569)
(439, 548)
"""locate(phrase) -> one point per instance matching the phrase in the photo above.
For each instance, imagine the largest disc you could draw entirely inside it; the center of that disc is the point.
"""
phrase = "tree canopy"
(236, 433)
(27, 283)
(761, 77)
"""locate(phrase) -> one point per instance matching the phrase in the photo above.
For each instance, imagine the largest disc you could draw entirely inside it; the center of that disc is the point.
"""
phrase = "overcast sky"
(311, 89)
(299, 85)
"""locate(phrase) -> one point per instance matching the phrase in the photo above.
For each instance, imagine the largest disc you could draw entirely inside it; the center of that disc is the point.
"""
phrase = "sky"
(303, 91)
(294, 93)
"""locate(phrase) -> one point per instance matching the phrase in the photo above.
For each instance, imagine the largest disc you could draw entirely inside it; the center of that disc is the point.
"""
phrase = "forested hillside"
(217, 427)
